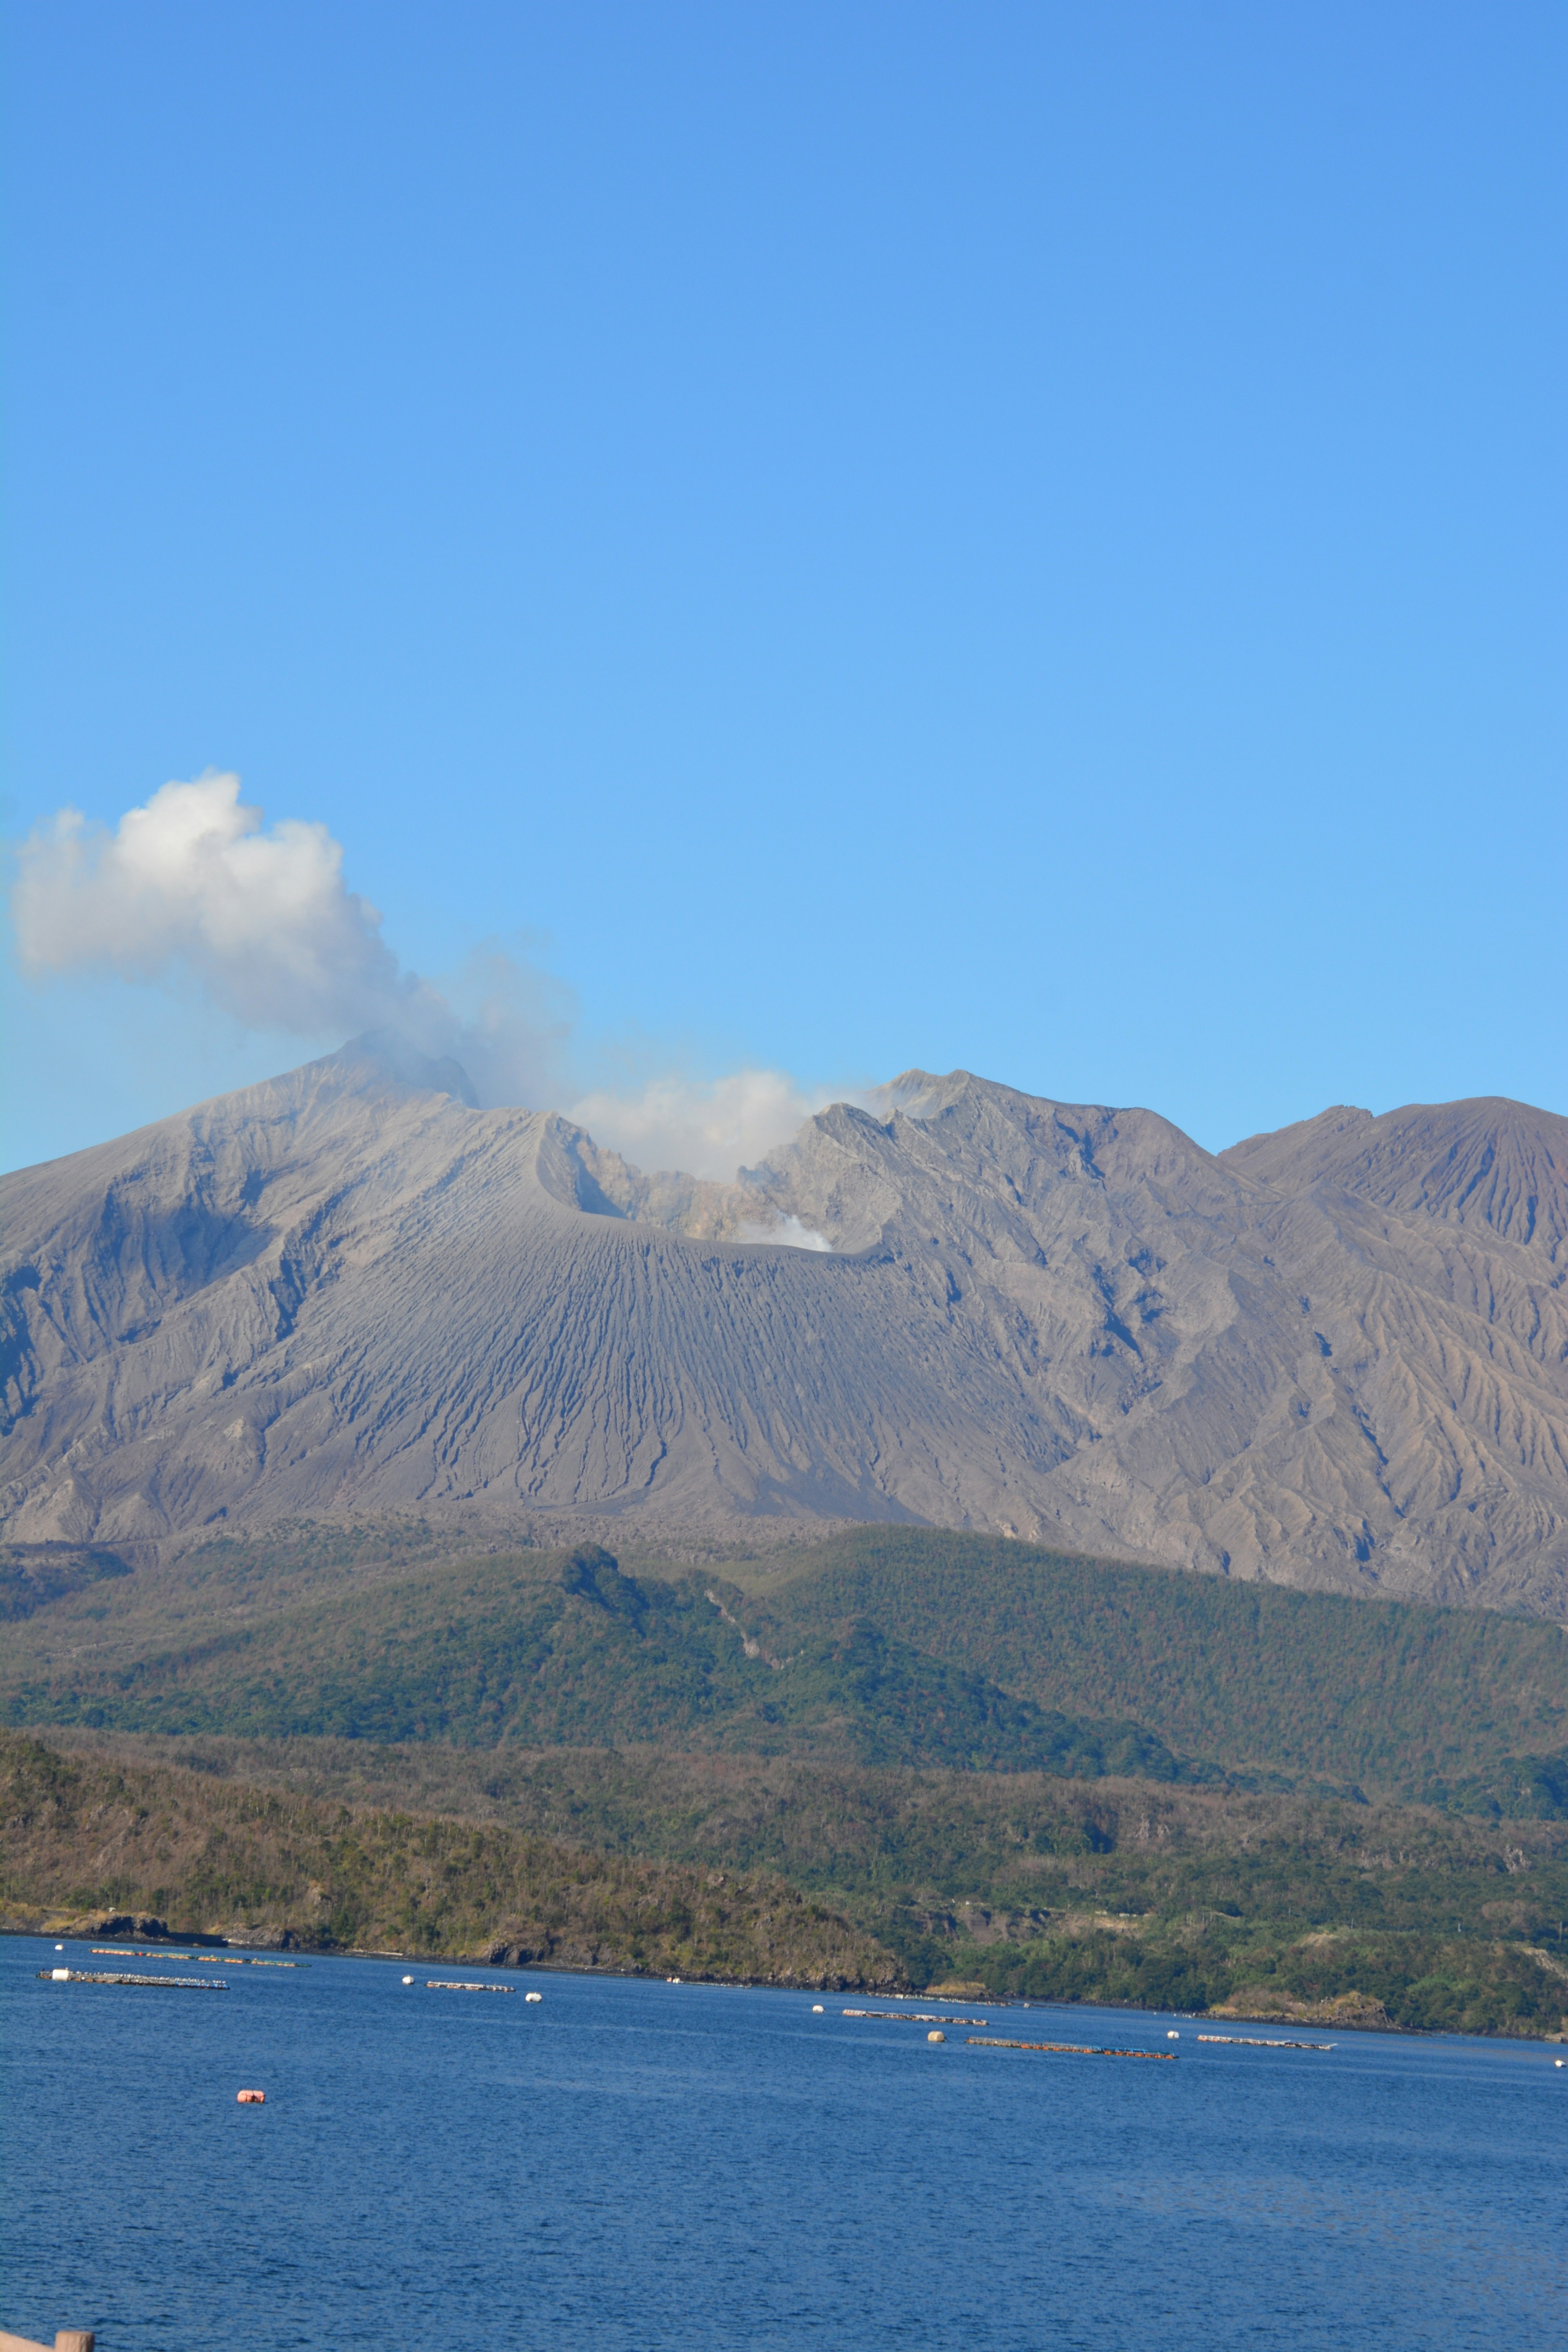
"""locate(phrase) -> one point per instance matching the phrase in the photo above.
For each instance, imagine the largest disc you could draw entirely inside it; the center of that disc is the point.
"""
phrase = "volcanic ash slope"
(1336, 1356)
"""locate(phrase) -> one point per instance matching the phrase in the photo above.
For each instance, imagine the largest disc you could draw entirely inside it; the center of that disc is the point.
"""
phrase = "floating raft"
(209, 1959)
(446, 1984)
(916, 2017)
(1259, 2042)
(124, 1952)
(103, 1976)
(1070, 2049)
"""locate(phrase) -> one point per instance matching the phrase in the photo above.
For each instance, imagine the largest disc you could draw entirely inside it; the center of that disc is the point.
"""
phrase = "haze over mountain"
(1336, 1356)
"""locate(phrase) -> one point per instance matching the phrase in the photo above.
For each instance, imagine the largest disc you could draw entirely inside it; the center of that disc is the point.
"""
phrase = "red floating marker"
(251, 2098)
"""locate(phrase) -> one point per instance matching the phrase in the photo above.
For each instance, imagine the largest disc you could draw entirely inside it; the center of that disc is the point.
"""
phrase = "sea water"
(639, 2165)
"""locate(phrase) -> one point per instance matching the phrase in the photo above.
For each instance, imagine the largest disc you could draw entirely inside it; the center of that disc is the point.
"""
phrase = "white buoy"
(59, 1947)
(936, 2037)
(1559, 2062)
(408, 1980)
(816, 2011)
(1172, 2035)
(533, 1996)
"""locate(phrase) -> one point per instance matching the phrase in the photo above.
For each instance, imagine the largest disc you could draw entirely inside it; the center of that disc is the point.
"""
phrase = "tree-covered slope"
(1413, 1701)
(1014, 1844)
(883, 1646)
(206, 1856)
(1015, 1884)
(553, 1648)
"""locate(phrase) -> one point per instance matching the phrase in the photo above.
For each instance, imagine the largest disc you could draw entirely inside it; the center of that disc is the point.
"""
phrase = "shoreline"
(58, 1932)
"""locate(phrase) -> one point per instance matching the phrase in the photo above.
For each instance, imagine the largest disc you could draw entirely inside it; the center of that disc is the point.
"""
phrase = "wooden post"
(66, 2339)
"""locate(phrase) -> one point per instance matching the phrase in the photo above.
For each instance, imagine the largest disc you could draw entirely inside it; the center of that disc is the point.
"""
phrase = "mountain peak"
(1487, 1165)
(386, 1055)
(1337, 1356)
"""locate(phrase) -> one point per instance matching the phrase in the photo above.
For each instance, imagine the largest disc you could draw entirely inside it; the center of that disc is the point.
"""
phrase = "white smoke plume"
(706, 1126)
(790, 1232)
(196, 886)
(193, 882)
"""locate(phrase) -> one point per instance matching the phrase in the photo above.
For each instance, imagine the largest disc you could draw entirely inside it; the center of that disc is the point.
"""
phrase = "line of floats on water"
(208, 1959)
(124, 1976)
(455, 1984)
(1264, 2042)
(931, 2017)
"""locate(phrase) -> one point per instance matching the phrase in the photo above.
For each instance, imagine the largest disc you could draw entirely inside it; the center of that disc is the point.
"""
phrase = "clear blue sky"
(1026, 537)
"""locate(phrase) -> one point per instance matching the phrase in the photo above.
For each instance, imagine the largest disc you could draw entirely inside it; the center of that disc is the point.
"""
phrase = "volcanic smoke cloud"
(193, 882)
(198, 884)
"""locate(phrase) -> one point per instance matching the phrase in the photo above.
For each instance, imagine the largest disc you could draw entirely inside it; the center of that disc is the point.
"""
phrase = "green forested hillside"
(1424, 1984)
(1410, 1701)
(967, 1758)
(1019, 1884)
(562, 1647)
(86, 1836)
(33, 1575)
(1015, 1843)
(887, 1646)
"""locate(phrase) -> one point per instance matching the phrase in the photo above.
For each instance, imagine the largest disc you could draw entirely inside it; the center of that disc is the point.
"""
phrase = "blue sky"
(1020, 537)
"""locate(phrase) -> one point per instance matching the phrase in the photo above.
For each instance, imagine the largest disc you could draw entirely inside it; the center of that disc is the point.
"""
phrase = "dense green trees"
(887, 1646)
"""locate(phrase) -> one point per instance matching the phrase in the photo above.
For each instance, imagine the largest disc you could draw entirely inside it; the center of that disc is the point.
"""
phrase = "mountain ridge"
(1336, 1356)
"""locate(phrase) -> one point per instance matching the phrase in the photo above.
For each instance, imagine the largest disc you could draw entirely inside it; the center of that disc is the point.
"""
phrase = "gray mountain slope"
(1495, 1169)
(1334, 1357)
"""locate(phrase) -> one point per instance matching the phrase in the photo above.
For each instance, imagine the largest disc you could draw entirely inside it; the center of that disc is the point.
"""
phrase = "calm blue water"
(638, 2166)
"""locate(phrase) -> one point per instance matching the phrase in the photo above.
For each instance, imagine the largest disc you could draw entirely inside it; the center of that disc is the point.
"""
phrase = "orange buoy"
(251, 2098)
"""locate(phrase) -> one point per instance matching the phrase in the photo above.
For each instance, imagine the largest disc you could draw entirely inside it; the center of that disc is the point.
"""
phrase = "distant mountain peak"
(1487, 1165)
(1335, 1356)
(1340, 1119)
(383, 1055)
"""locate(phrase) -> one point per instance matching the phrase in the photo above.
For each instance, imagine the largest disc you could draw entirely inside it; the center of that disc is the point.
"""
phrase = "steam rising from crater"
(195, 887)
(710, 1127)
